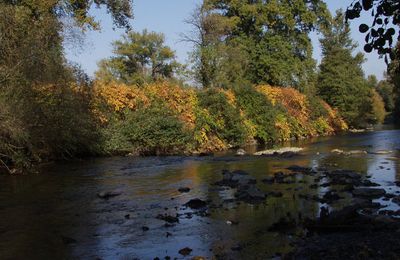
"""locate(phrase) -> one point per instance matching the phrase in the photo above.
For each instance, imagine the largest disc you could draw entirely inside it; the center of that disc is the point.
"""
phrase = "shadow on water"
(57, 214)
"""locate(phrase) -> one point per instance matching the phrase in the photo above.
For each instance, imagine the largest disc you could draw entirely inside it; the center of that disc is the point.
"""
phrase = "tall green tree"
(216, 64)
(341, 79)
(394, 78)
(139, 58)
(273, 35)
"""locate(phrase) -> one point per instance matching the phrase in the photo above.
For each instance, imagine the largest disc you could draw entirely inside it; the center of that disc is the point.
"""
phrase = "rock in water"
(368, 192)
(250, 194)
(185, 251)
(108, 194)
(281, 151)
(168, 218)
(240, 152)
(196, 204)
(338, 151)
(183, 189)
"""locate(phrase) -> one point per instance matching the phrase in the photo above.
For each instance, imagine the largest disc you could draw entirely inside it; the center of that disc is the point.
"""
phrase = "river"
(56, 214)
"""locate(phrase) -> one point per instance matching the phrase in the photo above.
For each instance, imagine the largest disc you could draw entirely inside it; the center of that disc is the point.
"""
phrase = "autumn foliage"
(213, 119)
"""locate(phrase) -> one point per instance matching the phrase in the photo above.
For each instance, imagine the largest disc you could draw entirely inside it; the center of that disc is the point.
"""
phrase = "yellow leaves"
(120, 96)
(271, 93)
(230, 96)
(334, 119)
(295, 102)
(378, 107)
(179, 99)
(283, 127)
(293, 120)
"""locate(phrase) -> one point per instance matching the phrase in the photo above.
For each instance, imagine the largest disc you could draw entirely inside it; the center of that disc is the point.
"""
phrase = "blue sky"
(167, 17)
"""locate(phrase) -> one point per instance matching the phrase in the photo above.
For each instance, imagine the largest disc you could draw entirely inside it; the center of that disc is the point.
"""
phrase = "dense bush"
(225, 119)
(153, 130)
(259, 111)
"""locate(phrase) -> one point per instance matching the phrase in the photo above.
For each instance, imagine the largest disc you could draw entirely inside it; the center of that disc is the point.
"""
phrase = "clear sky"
(167, 17)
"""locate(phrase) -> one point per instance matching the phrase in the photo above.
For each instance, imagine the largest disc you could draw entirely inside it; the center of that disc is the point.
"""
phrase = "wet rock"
(243, 179)
(250, 194)
(369, 211)
(184, 189)
(368, 192)
(196, 204)
(331, 196)
(240, 152)
(368, 183)
(185, 251)
(391, 213)
(352, 152)
(282, 151)
(347, 188)
(108, 194)
(279, 175)
(396, 200)
(235, 179)
(168, 218)
(144, 228)
(303, 170)
(268, 179)
(344, 174)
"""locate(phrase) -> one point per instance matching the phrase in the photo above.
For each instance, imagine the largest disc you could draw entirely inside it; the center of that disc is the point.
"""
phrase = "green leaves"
(341, 80)
(139, 58)
(273, 35)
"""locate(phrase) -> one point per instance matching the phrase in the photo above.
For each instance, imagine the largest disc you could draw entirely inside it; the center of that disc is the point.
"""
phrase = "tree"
(139, 58)
(215, 63)
(36, 92)
(268, 33)
(380, 34)
(341, 80)
(394, 77)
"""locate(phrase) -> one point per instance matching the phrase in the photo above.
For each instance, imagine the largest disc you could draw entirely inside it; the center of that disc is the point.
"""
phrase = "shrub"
(224, 119)
(259, 111)
(152, 130)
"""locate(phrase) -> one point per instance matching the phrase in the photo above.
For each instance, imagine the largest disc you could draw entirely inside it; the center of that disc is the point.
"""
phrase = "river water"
(57, 214)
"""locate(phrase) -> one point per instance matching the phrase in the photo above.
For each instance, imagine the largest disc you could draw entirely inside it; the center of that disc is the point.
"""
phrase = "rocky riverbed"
(311, 203)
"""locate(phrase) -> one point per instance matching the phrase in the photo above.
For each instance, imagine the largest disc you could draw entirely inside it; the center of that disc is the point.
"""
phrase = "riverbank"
(161, 118)
(165, 118)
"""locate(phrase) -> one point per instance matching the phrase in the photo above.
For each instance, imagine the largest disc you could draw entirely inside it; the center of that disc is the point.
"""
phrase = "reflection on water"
(57, 214)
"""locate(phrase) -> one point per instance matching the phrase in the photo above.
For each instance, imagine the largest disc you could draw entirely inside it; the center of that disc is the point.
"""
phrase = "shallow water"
(57, 215)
